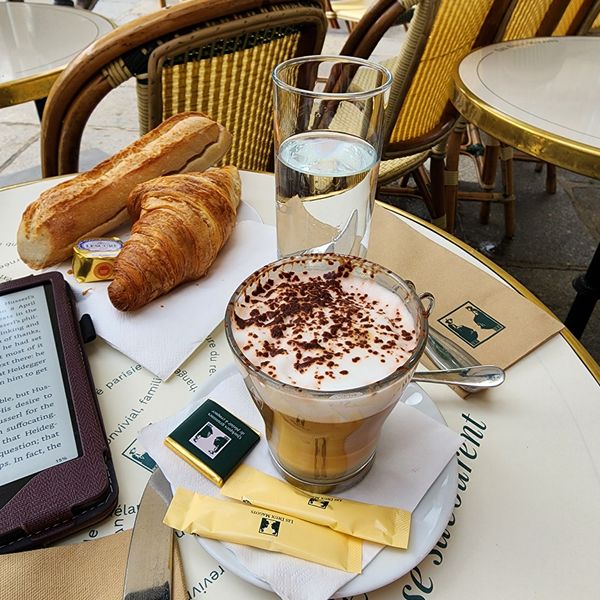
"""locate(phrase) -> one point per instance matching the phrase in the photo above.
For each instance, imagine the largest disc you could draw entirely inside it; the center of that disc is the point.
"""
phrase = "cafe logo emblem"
(210, 439)
(269, 527)
(143, 459)
(471, 324)
(318, 502)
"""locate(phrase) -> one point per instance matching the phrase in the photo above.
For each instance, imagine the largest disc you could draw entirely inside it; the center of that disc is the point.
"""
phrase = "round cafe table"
(37, 41)
(541, 96)
(525, 517)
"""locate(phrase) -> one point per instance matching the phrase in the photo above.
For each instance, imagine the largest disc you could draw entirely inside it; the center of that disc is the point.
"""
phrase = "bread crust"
(180, 224)
(93, 203)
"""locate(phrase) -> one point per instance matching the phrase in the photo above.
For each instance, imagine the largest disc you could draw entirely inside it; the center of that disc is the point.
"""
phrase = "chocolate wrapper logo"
(471, 324)
(269, 527)
(210, 439)
(318, 503)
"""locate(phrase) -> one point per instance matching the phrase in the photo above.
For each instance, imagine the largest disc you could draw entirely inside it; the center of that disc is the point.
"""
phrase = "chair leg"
(510, 221)
(451, 174)
(437, 171)
(488, 175)
(39, 106)
(423, 185)
(405, 179)
(550, 178)
(484, 213)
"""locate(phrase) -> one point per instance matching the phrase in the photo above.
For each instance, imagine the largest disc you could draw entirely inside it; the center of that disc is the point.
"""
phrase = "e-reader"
(56, 473)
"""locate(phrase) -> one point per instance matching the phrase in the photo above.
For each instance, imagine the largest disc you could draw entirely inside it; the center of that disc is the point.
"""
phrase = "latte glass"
(320, 440)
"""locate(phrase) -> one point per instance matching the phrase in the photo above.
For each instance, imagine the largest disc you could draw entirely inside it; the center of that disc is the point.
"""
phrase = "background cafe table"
(525, 521)
(36, 42)
(541, 96)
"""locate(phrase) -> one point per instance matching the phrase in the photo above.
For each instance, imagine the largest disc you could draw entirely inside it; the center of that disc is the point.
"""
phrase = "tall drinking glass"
(328, 136)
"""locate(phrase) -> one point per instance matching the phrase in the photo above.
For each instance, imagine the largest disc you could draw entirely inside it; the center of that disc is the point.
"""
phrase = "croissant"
(180, 223)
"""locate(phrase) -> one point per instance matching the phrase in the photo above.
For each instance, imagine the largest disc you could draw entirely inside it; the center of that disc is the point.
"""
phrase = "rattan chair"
(215, 56)
(594, 24)
(419, 115)
(530, 18)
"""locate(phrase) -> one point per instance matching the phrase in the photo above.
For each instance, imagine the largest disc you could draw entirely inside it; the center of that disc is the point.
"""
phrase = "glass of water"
(328, 137)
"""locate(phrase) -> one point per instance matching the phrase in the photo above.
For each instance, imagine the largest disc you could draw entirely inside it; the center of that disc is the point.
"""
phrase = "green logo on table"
(143, 459)
(471, 324)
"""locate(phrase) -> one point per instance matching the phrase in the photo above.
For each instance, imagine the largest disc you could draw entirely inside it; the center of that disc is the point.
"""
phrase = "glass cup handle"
(424, 297)
(427, 298)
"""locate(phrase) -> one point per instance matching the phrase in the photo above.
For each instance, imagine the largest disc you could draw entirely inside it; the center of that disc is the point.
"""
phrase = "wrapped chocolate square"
(213, 441)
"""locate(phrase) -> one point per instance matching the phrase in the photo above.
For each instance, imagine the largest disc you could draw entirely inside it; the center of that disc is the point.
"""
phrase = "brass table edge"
(585, 357)
(36, 87)
(552, 148)
(30, 88)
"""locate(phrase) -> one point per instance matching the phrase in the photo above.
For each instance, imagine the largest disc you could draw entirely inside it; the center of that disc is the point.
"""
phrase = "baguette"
(180, 224)
(95, 202)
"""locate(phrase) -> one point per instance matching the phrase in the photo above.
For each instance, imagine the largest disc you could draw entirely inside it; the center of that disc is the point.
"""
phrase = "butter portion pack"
(93, 259)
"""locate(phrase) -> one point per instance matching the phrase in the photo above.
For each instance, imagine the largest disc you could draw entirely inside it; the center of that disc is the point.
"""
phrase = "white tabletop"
(536, 93)
(40, 38)
(525, 522)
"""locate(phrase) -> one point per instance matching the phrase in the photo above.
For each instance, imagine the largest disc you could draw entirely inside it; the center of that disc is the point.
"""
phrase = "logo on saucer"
(471, 324)
(269, 527)
(143, 459)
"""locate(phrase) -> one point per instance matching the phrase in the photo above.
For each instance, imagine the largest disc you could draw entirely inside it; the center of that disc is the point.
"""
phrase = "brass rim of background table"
(552, 148)
(37, 86)
(28, 88)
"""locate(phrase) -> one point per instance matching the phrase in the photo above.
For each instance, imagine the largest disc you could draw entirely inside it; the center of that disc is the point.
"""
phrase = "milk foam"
(326, 331)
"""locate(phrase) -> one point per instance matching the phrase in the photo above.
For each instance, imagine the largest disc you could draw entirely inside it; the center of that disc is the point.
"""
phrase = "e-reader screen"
(36, 428)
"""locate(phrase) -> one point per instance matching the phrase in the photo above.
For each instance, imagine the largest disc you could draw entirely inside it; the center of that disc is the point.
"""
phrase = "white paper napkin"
(412, 452)
(163, 334)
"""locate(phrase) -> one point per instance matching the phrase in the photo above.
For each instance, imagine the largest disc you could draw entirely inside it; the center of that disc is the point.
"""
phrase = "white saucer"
(428, 522)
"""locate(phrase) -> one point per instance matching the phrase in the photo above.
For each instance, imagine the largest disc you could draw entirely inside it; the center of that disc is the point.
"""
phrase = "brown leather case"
(38, 509)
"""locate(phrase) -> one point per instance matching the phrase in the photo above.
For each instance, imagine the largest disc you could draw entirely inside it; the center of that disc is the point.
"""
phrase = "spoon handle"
(480, 376)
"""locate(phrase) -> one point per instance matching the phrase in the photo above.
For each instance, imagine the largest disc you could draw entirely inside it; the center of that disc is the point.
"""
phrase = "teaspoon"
(480, 376)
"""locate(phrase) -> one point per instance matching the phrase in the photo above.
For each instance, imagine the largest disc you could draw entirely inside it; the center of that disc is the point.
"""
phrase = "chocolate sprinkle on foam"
(331, 330)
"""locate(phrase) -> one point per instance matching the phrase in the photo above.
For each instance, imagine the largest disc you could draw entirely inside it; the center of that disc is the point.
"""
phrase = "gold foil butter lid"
(93, 259)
